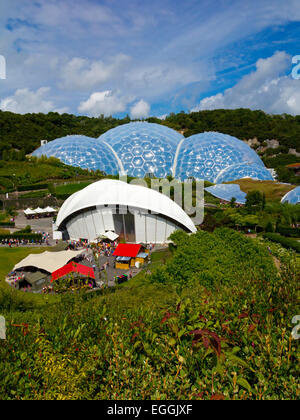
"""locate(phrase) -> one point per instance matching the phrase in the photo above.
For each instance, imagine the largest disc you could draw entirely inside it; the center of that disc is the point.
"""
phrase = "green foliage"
(20, 134)
(241, 123)
(37, 237)
(287, 231)
(27, 229)
(35, 174)
(156, 341)
(64, 191)
(31, 187)
(225, 257)
(35, 194)
(7, 224)
(26, 131)
(286, 242)
(269, 227)
(255, 201)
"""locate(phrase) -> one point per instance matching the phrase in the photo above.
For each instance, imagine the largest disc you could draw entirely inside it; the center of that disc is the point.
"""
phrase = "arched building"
(135, 213)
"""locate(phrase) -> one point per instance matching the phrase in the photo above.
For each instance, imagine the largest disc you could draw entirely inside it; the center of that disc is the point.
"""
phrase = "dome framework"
(140, 149)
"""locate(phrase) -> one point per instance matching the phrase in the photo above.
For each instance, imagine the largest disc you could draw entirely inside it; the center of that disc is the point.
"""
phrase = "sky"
(149, 57)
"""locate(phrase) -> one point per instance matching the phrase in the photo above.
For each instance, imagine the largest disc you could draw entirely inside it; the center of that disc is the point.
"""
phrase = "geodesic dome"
(82, 151)
(206, 155)
(144, 147)
(244, 170)
(292, 197)
(227, 192)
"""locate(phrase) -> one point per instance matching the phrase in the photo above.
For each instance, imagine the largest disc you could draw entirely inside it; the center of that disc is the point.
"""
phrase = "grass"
(274, 191)
(71, 188)
(35, 194)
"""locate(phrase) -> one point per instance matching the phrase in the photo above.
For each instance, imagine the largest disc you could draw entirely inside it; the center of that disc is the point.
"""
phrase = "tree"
(269, 227)
(233, 202)
(254, 201)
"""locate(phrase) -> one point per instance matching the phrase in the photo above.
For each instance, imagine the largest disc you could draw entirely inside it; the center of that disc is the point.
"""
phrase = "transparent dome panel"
(206, 155)
(227, 192)
(81, 151)
(293, 197)
(144, 147)
(244, 170)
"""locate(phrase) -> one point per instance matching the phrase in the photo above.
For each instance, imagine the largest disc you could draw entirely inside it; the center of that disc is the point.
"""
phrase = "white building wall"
(150, 228)
(98, 222)
(74, 228)
(160, 230)
(140, 227)
(92, 234)
(170, 228)
(108, 218)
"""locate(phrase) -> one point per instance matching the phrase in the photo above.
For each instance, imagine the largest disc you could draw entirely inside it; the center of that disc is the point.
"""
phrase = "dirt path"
(277, 263)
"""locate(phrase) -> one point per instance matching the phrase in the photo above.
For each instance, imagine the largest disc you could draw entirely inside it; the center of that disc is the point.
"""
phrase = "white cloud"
(80, 73)
(106, 103)
(265, 88)
(25, 101)
(140, 109)
(156, 79)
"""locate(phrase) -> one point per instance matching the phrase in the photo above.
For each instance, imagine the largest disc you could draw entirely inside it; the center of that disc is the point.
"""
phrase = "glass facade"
(144, 148)
(293, 197)
(82, 151)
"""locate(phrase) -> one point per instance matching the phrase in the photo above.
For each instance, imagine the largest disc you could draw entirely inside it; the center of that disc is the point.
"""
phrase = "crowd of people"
(15, 242)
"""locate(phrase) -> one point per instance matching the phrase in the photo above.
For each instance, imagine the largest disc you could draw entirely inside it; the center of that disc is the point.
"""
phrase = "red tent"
(127, 250)
(73, 267)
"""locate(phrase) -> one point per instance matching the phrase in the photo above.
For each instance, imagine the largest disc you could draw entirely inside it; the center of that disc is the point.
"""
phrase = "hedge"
(29, 236)
(287, 231)
(7, 224)
(32, 187)
(285, 242)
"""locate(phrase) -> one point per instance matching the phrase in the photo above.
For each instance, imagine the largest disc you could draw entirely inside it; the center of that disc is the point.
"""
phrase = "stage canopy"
(48, 261)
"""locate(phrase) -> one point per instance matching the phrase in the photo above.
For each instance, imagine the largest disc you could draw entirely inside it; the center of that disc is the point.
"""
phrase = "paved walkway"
(37, 225)
(107, 276)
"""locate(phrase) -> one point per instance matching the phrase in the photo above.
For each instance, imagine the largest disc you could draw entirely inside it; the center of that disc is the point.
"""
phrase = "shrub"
(285, 242)
(32, 187)
(7, 224)
(37, 237)
(287, 231)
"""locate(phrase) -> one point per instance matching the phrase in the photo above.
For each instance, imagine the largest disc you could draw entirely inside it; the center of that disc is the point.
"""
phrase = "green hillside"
(213, 323)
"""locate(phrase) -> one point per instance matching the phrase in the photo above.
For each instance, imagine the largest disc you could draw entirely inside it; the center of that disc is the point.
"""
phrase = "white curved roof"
(113, 192)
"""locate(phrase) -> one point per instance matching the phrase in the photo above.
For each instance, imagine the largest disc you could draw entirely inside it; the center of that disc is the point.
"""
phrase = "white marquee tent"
(48, 261)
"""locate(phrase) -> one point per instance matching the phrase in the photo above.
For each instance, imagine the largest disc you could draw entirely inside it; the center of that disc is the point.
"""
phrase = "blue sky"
(143, 57)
